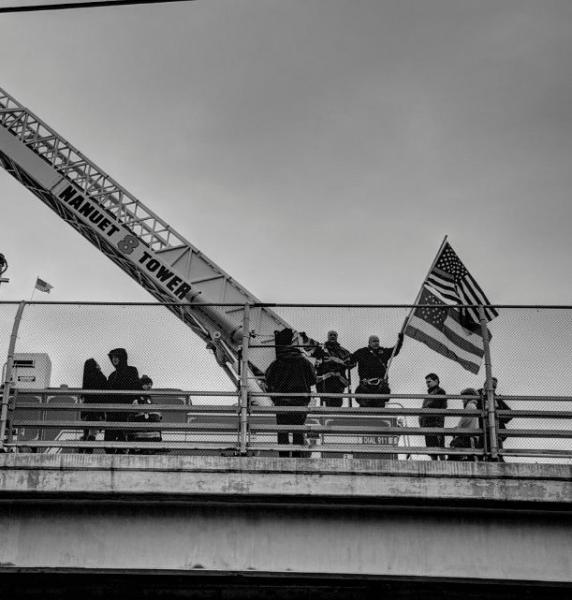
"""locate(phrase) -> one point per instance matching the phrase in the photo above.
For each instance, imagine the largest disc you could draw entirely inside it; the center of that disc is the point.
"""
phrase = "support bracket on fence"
(243, 400)
(7, 383)
(491, 427)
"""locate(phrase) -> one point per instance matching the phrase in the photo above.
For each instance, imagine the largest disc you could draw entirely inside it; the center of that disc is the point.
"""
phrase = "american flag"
(440, 326)
(450, 281)
(443, 322)
(43, 286)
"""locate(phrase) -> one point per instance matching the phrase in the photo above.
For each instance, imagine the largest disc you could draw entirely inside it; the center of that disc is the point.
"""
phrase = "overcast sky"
(317, 150)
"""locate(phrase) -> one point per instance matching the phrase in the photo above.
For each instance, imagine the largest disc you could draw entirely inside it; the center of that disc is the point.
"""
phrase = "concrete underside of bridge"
(209, 527)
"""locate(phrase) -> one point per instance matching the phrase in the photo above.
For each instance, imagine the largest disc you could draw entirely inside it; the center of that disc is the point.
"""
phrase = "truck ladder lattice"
(146, 247)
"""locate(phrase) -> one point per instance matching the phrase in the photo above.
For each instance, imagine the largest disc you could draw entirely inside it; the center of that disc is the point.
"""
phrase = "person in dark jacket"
(372, 370)
(93, 379)
(332, 364)
(434, 440)
(124, 377)
(291, 372)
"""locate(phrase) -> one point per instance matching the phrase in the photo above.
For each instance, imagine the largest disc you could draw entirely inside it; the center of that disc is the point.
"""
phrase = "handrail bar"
(102, 407)
(356, 412)
(359, 411)
(186, 445)
(381, 449)
(537, 433)
(370, 430)
(153, 392)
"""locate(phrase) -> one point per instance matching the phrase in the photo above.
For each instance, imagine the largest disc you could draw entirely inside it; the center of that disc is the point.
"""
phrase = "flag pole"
(406, 322)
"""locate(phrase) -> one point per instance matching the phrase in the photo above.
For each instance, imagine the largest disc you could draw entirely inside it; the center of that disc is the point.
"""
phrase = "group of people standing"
(473, 400)
(291, 373)
(123, 377)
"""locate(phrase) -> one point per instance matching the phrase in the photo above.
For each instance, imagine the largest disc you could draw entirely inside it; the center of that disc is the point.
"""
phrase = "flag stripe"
(453, 331)
(448, 298)
(439, 281)
(441, 345)
(471, 296)
(470, 340)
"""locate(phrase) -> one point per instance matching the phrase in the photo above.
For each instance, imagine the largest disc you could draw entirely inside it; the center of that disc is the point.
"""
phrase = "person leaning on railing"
(467, 440)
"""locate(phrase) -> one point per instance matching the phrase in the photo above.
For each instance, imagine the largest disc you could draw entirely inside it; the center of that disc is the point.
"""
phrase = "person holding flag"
(372, 362)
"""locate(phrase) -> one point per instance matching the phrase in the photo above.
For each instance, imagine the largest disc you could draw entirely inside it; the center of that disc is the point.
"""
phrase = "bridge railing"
(203, 411)
(53, 420)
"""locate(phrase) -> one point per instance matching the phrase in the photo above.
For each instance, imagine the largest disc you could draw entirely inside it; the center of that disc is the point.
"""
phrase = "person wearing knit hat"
(292, 373)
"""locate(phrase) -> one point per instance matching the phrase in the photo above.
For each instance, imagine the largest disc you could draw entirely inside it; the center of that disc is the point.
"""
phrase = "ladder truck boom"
(136, 239)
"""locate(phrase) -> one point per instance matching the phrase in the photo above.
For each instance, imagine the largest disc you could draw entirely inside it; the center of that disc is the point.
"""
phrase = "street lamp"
(3, 268)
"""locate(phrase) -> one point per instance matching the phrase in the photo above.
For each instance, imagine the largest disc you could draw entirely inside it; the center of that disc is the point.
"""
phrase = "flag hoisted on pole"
(446, 324)
(43, 286)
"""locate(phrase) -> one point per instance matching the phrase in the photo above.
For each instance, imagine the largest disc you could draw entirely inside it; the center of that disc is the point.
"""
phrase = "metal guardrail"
(235, 422)
(37, 422)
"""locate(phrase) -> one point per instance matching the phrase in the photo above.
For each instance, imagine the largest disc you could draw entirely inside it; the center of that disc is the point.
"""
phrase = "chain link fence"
(199, 404)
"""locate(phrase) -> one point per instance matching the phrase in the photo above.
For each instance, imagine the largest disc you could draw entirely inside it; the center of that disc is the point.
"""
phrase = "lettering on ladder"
(127, 243)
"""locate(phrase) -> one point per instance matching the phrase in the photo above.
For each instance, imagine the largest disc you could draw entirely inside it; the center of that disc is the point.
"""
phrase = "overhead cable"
(78, 4)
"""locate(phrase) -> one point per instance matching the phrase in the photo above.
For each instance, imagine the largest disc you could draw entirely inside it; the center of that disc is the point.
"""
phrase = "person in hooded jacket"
(124, 377)
(291, 372)
(93, 379)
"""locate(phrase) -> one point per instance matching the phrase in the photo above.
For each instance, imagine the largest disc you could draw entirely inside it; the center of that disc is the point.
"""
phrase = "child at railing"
(145, 435)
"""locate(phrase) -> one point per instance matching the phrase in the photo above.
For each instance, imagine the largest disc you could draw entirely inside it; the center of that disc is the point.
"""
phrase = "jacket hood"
(288, 353)
(121, 353)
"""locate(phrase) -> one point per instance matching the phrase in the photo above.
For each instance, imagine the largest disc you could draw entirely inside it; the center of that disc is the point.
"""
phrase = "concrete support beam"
(291, 480)
(345, 518)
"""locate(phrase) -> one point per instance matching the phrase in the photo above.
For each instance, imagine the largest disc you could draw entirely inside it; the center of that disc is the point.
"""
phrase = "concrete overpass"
(209, 527)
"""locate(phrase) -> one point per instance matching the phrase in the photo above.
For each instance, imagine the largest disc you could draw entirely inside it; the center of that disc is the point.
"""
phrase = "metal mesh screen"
(156, 344)
(530, 350)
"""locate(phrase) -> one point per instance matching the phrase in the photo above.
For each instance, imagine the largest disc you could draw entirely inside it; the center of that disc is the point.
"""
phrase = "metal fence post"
(491, 426)
(8, 373)
(243, 432)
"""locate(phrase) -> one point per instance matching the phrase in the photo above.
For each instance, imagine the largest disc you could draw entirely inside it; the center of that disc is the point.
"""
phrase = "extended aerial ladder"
(136, 239)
